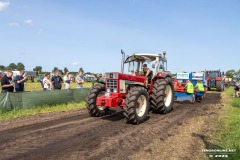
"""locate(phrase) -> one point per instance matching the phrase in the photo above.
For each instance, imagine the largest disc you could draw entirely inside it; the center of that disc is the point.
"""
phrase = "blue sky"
(196, 34)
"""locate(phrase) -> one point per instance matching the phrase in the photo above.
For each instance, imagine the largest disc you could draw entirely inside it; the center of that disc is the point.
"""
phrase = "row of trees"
(65, 70)
(233, 73)
(12, 66)
(20, 66)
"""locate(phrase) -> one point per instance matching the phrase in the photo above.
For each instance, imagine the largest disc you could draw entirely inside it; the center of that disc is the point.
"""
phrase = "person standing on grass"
(66, 81)
(236, 89)
(47, 85)
(6, 82)
(57, 80)
(79, 80)
(19, 82)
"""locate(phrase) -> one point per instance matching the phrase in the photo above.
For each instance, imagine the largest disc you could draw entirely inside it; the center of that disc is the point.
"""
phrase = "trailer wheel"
(163, 95)
(220, 86)
(94, 110)
(136, 105)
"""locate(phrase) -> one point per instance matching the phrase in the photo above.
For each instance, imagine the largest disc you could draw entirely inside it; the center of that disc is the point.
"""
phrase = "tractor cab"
(156, 63)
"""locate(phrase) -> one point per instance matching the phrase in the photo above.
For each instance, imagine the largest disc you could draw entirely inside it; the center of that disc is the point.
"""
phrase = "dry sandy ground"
(181, 134)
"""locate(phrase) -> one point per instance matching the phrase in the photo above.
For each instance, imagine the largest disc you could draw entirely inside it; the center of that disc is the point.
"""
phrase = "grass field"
(36, 86)
(228, 129)
(43, 109)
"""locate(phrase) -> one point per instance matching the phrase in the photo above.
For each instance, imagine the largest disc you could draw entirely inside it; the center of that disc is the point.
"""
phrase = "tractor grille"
(111, 84)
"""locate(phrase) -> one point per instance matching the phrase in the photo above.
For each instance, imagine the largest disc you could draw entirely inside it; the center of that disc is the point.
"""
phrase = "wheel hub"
(141, 105)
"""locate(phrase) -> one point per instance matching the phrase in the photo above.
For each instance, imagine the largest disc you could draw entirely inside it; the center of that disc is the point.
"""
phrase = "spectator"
(236, 89)
(6, 82)
(66, 81)
(101, 78)
(19, 82)
(95, 80)
(57, 81)
(47, 85)
(79, 80)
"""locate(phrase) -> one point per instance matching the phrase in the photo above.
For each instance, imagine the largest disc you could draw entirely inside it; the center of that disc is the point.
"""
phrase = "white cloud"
(28, 22)
(75, 63)
(14, 24)
(4, 5)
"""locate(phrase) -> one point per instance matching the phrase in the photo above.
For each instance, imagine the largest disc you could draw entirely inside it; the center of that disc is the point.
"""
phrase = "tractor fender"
(162, 76)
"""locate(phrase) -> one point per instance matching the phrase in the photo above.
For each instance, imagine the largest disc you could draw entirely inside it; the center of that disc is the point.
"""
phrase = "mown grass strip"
(230, 131)
(43, 109)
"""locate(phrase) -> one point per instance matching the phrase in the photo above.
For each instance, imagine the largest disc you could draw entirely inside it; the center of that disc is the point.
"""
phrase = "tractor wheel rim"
(168, 96)
(142, 105)
(101, 107)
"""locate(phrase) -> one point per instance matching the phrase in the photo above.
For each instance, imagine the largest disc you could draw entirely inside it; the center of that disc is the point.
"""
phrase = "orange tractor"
(215, 79)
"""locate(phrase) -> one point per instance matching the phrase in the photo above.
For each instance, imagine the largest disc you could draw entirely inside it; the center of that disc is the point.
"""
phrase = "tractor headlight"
(107, 94)
(115, 90)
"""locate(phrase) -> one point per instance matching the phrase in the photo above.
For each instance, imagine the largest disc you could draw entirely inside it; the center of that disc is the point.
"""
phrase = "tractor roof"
(143, 57)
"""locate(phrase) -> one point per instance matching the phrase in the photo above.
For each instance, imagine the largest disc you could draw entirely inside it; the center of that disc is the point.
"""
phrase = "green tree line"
(20, 66)
(233, 73)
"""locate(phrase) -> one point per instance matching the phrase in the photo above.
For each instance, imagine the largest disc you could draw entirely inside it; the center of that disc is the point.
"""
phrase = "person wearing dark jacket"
(19, 82)
(7, 83)
(57, 81)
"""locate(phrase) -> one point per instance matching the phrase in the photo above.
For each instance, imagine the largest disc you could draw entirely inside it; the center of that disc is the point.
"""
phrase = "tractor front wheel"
(136, 105)
(94, 110)
(220, 86)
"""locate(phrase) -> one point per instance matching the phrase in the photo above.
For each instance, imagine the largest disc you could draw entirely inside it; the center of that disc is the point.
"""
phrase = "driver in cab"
(147, 73)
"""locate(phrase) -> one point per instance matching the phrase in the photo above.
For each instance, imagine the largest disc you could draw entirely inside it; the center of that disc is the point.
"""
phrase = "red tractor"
(134, 92)
(215, 79)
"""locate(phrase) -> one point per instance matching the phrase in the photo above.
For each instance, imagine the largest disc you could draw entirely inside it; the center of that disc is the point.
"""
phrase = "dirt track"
(76, 135)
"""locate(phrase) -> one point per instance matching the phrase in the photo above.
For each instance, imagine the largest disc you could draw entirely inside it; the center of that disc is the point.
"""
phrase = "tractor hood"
(127, 77)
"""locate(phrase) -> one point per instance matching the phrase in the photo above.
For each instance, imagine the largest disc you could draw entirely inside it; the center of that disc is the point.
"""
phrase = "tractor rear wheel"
(220, 86)
(94, 110)
(163, 95)
(136, 105)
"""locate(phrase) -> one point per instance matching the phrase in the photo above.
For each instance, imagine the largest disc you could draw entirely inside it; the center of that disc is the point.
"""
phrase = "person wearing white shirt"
(47, 85)
(66, 81)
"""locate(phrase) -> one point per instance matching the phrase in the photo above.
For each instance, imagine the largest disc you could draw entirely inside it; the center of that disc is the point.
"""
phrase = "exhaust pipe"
(123, 59)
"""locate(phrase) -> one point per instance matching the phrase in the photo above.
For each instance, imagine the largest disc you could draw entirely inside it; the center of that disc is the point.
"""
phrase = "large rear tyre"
(163, 95)
(136, 105)
(94, 110)
(220, 86)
